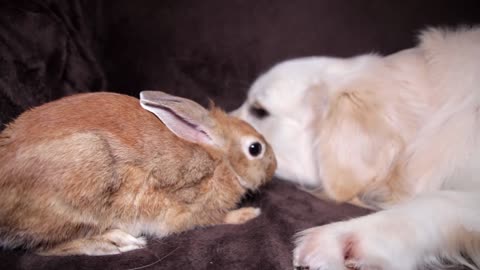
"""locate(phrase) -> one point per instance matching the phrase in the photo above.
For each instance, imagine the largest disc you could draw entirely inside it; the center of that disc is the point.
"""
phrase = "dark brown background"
(197, 49)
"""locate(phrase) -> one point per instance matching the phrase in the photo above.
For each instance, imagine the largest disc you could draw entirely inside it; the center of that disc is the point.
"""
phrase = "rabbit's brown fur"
(83, 165)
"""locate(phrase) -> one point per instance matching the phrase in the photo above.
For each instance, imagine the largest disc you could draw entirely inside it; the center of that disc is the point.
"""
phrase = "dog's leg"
(441, 225)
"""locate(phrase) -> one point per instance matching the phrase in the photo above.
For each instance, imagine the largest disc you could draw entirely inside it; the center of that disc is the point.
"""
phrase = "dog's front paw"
(361, 244)
(321, 248)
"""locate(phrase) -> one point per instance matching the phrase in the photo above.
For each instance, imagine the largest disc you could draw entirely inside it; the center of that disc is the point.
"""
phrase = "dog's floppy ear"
(356, 145)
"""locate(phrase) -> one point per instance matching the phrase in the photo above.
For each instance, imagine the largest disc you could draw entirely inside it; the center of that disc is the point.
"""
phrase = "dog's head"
(279, 105)
(326, 126)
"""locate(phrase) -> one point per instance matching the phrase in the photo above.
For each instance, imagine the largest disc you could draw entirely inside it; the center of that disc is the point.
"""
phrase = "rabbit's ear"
(185, 118)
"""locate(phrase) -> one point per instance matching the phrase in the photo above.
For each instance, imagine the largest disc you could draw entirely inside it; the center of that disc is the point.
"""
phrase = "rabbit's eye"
(255, 149)
(258, 111)
(252, 147)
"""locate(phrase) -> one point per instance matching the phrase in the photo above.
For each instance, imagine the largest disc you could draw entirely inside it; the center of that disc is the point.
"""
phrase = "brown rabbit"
(93, 173)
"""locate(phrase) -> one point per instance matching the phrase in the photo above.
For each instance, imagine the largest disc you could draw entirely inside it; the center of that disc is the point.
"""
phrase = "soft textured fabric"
(46, 52)
(200, 50)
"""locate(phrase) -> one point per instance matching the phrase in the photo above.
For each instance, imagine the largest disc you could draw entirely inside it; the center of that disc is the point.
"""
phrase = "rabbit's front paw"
(242, 215)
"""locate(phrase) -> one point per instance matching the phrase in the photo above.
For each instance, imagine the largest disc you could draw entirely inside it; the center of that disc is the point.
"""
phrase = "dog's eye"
(258, 111)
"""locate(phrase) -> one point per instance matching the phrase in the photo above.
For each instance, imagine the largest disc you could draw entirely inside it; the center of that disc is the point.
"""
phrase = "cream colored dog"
(399, 133)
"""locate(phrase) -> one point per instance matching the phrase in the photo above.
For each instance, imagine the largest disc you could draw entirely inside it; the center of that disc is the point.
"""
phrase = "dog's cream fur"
(398, 132)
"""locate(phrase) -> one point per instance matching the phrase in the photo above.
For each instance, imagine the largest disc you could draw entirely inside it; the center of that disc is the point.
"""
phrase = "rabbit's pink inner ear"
(183, 127)
(186, 130)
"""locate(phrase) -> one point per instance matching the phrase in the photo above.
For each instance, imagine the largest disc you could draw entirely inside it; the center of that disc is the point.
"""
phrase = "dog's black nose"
(301, 268)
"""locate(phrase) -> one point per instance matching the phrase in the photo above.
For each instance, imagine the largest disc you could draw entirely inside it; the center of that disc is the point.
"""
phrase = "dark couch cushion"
(46, 52)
